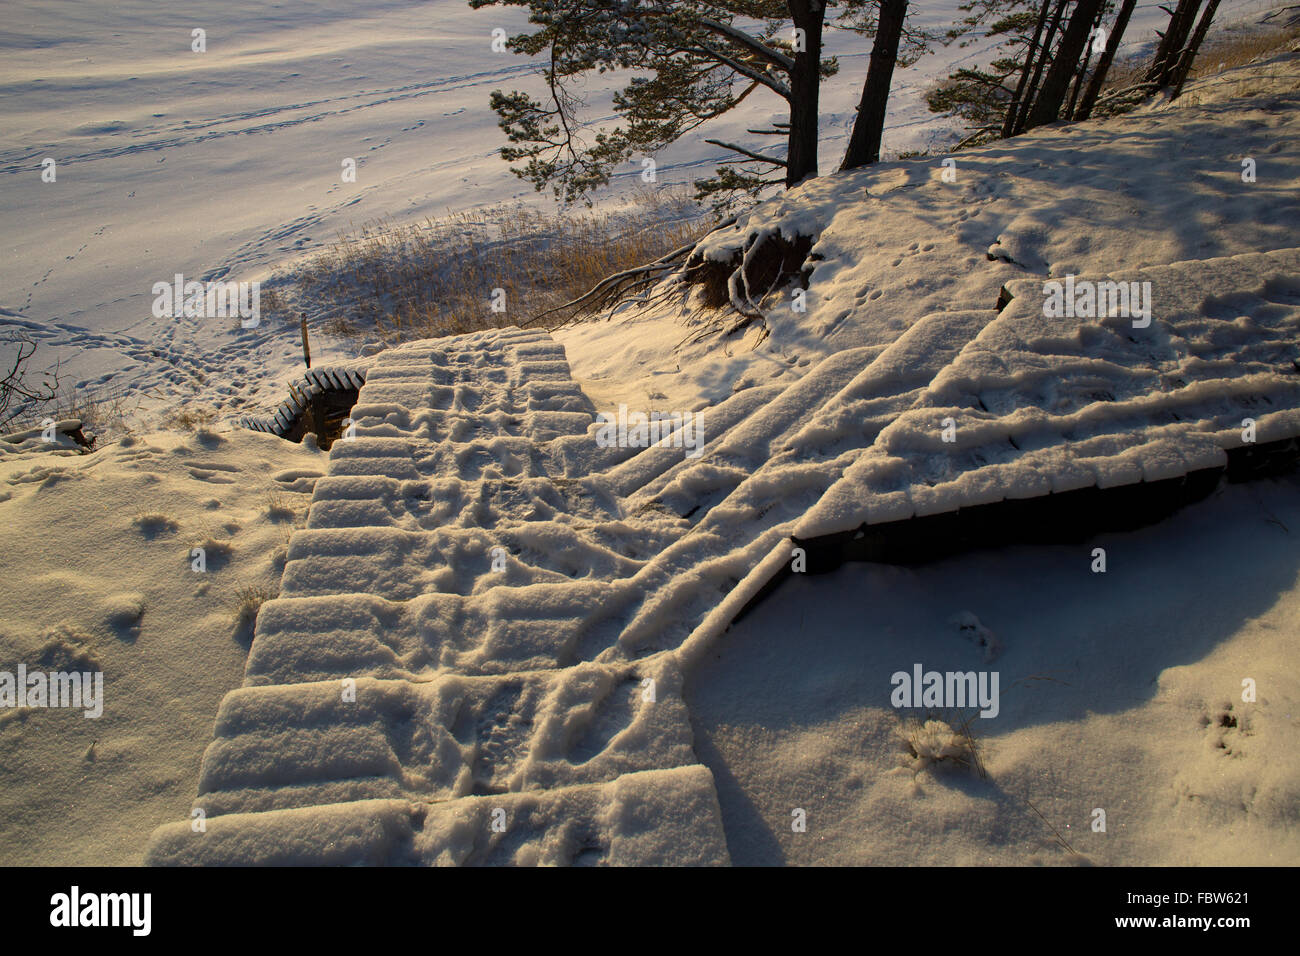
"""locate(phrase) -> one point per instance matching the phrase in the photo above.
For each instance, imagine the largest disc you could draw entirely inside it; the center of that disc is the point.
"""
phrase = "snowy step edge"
(563, 826)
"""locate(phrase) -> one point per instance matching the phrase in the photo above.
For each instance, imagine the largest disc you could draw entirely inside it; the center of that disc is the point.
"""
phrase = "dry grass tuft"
(940, 740)
(248, 601)
(154, 523)
(103, 411)
(189, 419)
(403, 282)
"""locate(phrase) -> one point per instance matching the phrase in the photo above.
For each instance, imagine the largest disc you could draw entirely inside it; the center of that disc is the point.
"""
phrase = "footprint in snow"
(979, 635)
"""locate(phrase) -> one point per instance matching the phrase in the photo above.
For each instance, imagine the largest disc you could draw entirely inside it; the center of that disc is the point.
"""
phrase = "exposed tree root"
(768, 263)
(737, 291)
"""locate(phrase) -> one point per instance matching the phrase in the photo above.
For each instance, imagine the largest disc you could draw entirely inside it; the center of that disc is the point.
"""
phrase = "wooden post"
(320, 422)
(306, 352)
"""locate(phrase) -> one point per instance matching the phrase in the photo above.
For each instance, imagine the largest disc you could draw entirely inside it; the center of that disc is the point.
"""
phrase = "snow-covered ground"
(96, 553)
(525, 692)
(1120, 691)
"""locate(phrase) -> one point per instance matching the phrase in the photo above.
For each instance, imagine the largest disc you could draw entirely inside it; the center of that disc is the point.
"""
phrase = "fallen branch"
(975, 135)
(1143, 88)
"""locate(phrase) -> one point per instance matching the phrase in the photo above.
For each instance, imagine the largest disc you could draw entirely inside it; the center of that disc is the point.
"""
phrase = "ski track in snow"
(190, 133)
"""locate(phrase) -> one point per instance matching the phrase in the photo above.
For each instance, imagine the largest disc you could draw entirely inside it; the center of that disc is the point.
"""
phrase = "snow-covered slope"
(96, 556)
(896, 242)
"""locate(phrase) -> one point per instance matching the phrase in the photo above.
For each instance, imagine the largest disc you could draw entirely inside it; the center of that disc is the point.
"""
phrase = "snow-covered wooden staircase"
(479, 647)
(425, 688)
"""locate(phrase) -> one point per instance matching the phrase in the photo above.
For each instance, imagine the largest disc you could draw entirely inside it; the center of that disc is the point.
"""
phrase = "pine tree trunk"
(1103, 65)
(1043, 56)
(1189, 55)
(1078, 83)
(1180, 24)
(805, 85)
(1083, 67)
(1009, 122)
(1048, 102)
(869, 127)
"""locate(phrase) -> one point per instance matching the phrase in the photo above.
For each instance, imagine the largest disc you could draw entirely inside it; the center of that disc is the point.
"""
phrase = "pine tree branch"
(745, 152)
(758, 76)
(751, 43)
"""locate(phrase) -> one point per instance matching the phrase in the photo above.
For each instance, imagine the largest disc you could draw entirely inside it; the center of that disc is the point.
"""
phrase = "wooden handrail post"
(306, 351)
